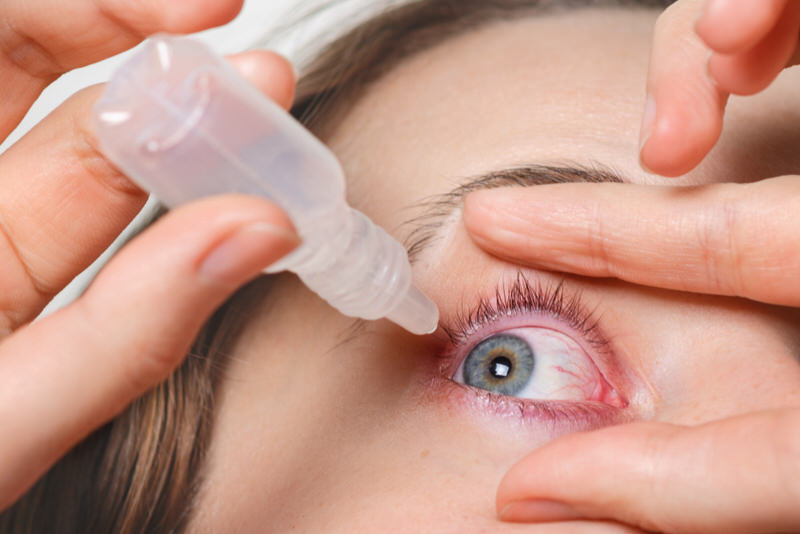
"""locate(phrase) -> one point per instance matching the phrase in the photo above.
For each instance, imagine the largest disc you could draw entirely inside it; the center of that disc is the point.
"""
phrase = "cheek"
(416, 468)
(419, 477)
(745, 371)
(709, 358)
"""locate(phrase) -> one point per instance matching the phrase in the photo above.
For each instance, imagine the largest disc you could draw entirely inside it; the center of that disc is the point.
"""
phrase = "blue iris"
(502, 364)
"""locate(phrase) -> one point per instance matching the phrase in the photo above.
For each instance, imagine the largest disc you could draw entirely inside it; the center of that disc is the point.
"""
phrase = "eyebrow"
(435, 211)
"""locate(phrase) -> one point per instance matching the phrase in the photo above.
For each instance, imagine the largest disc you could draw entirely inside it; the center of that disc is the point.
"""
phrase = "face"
(327, 426)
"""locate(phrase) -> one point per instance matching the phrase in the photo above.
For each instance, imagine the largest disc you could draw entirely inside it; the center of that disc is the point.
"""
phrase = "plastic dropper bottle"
(183, 124)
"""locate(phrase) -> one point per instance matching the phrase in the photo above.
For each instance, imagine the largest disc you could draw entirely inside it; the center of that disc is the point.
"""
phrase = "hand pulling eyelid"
(183, 124)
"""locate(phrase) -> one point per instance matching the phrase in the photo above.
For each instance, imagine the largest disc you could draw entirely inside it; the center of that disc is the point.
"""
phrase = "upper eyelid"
(522, 294)
(553, 300)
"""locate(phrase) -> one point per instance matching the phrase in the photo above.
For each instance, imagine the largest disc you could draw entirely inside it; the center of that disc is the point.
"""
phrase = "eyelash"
(523, 296)
(517, 298)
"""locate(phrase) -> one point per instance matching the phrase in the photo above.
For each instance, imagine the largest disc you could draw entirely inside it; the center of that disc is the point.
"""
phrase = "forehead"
(552, 89)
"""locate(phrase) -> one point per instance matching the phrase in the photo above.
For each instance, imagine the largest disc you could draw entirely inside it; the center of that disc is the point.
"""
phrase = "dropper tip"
(416, 313)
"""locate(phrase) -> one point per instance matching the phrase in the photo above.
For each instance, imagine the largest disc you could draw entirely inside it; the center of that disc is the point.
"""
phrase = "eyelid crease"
(426, 227)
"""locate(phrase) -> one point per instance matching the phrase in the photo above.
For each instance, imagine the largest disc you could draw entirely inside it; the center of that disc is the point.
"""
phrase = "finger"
(573, 527)
(41, 39)
(753, 70)
(728, 239)
(683, 111)
(730, 27)
(63, 204)
(269, 72)
(67, 374)
(736, 475)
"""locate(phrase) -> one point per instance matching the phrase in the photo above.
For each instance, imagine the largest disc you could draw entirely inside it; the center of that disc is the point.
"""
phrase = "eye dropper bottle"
(183, 124)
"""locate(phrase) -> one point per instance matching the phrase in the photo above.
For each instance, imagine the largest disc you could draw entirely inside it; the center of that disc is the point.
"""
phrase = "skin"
(326, 428)
(62, 205)
(732, 239)
(367, 445)
(703, 52)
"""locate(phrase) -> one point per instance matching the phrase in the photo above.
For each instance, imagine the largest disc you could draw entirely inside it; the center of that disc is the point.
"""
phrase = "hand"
(734, 47)
(62, 205)
(734, 475)
(739, 475)
(727, 239)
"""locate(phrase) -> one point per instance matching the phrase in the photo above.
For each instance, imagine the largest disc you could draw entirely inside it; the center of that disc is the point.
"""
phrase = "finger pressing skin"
(751, 71)
(734, 26)
(728, 239)
(63, 204)
(67, 374)
(41, 39)
(683, 112)
(735, 476)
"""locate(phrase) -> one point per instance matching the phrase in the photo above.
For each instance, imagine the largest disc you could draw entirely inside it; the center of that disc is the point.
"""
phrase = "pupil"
(500, 367)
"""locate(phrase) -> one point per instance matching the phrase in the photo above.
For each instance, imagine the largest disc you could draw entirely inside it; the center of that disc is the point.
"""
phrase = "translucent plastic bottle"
(183, 124)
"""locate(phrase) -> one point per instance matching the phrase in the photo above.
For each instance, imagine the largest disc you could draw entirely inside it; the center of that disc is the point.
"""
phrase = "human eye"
(534, 351)
(535, 362)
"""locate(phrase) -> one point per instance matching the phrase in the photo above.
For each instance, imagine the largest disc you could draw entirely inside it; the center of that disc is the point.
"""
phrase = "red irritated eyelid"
(565, 370)
(585, 393)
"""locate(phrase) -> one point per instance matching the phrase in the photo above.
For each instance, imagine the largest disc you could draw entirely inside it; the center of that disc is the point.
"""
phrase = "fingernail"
(648, 120)
(537, 511)
(248, 251)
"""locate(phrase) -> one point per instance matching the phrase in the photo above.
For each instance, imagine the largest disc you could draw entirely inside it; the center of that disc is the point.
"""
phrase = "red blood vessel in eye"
(576, 381)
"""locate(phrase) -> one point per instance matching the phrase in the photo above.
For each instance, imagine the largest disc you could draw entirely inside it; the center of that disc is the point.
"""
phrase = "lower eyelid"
(522, 416)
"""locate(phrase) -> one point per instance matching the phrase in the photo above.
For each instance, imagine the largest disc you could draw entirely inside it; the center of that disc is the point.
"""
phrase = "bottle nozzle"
(416, 313)
(183, 124)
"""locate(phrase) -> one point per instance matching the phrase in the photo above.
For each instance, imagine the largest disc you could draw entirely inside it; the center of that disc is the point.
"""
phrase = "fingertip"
(530, 477)
(475, 208)
(753, 69)
(270, 72)
(688, 106)
(734, 75)
(209, 245)
(489, 215)
(251, 234)
(714, 32)
(508, 488)
(682, 135)
(196, 15)
(729, 29)
(508, 492)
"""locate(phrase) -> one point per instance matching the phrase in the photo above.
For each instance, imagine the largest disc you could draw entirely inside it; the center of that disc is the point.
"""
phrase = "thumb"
(65, 375)
(735, 475)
